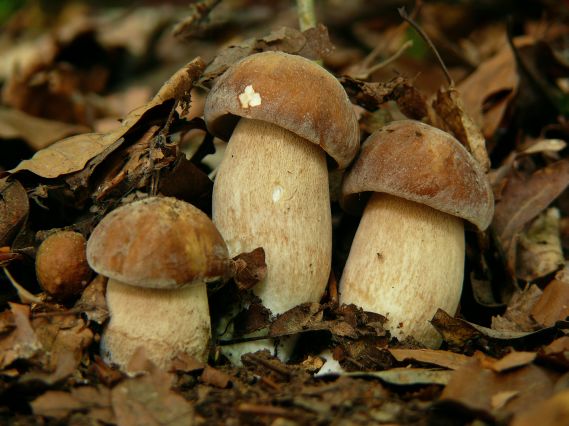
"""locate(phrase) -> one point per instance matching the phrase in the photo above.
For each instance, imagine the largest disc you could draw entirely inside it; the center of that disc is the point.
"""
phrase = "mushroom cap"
(294, 93)
(158, 242)
(420, 163)
(61, 265)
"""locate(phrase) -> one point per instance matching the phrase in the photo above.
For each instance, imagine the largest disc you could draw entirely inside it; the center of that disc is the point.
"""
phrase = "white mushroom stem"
(165, 322)
(406, 261)
(271, 191)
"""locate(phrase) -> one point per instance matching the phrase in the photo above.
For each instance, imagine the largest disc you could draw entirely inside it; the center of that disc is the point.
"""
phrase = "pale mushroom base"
(271, 191)
(165, 323)
(406, 261)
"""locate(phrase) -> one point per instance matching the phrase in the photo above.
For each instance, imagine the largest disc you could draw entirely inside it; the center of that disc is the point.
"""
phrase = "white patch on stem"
(277, 193)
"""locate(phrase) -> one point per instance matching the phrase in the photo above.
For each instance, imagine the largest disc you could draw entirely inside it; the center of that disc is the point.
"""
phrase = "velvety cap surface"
(420, 163)
(291, 92)
(158, 242)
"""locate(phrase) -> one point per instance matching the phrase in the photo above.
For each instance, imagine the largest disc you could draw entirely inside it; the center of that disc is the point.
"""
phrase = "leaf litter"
(504, 357)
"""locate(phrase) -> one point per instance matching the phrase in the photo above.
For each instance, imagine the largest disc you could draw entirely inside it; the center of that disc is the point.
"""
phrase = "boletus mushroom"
(281, 114)
(407, 257)
(158, 254)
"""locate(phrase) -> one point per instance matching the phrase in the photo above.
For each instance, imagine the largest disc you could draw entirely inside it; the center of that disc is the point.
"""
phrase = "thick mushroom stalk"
(417, 253)
(176, 322)
(407, 258)
(281, 114)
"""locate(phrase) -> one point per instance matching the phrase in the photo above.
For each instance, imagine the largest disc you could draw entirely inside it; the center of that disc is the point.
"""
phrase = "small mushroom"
(281, 114)
(407, 257)
(158, 254)
(61, 264)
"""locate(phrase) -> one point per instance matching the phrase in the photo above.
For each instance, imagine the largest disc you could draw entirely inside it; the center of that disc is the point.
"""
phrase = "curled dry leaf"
(312, 44)
(36, 132)
(513, 360)
(250, 268)
(21, 342)
(92, 302)
(14, 208)
(450, 109)
(440, 358)
(371, 95)
(553, 305)
(539, 251)
(517, 316)
(476, 387)
(522, 199)
(72, 154)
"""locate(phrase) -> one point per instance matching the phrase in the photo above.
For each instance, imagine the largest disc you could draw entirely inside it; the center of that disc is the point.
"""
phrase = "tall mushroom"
(407, 257)
(158, 253)
(281, 114)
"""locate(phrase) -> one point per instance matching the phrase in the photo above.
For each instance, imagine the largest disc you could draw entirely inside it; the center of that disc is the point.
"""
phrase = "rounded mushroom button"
(418, 184)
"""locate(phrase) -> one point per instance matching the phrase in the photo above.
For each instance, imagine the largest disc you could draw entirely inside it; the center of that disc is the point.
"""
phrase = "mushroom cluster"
(281, 114)
(407, 257)
(158, 254)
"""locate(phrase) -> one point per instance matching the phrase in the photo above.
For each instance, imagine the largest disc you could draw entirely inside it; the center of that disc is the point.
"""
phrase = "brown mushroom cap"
(421, 163)
(158, 242)
(295, 93)
(61, 265)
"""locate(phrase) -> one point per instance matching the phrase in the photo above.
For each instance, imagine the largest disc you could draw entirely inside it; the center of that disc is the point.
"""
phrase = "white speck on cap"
(249, 98)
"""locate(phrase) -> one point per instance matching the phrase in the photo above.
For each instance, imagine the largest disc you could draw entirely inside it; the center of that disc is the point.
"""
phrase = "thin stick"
(24, 295)
(369, 71)
(424, 36)
(306, 14)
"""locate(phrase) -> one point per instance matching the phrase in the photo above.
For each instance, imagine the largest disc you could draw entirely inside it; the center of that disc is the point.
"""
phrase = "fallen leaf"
(21, 342)
(556, 353)
(449, 107)
(553, 305)
(554, 411)
(250, 268)
(408, 376)
(92, 301)
(518, 312)
(522, 199)
(147, 400)
(72, 154)
(439, 358)
(513, 360)
(539, 251)
(215, 377)
(37, 133)
(476, 387)
(14, 208)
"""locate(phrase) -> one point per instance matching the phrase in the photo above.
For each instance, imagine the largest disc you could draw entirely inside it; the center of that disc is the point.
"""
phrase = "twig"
(424, 36)
(306, 14)
(269, 365)
(266, 410)
(365, 74)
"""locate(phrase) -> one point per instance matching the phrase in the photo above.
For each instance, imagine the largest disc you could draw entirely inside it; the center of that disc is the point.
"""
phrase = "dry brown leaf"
(551, 412)
(476, 387)
(513, 360)
(72, 154)
(553, 305)
(36, 132)
(312, 44)
(92, 302)
(445, 359)
(21, 342)
(147, 400)
(518, 313)
(250, 268)
(408, 376)
(14, 208)
(539, 251)
(58, 404)
(556, 353)
(449, 107)
(61, 334)
(488, 91)
(215, 377)
(522, 199)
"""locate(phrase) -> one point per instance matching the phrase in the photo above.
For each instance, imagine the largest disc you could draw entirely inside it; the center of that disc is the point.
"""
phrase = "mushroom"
(407, 257)
(61, 265)
(281, 114)
(158, 254)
